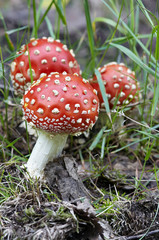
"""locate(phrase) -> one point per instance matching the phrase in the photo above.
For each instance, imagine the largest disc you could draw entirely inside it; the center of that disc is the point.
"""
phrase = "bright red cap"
(46, 55)
(120, 84)
(61, 103)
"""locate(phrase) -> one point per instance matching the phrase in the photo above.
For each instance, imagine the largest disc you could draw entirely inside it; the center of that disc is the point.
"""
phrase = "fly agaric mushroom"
(46, 55)
(120, 85)
(58, 105)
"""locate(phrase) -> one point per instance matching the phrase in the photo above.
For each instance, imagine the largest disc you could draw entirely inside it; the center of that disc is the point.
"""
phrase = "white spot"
(64, 73)
(126, 102)
(65, 47)
(95, 91)
(55, 111)
(48, 79)
(120, 68)
(54, 59)
(33, 72)
(79, 120)
(116, 85)
(127, 86)
(122, 94)
(72, 52)
(26, 100)
(19, 77)
(63, 60)
(26, 53)
(76, 111)
(85, 101)
(129, 71)
(133, 86)
(42, 96)
(114, 76)
(43, 61)
(71, 65)
(67, 78)
(95, 101)
(103, 70)
(21, 63)
(77, 105)
(74, 86)
(58, 49)
(49, 99)
(34, 43)
(36, 52)
(57, 76)
(84, 80)
(76, 94)
(85, 92)
(67, 107)
(48, 49)
(131, 96)
(50, 39)
(113, 100)
(13, 64)
(128, 78)
(38, 89)
(56, 81)
(42, 75)
(46, 85)
(32, 91)
(62, 100)
(87, 120)
(32, 101)
(65, 89)
(73, 121)
(122, 76)
(93, 109)
(56, 93)
(40, 110)
(84, 112)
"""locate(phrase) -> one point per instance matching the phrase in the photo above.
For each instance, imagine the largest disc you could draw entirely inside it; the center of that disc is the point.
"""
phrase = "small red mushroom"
(120, 85)
(46, 55)
(57, 105)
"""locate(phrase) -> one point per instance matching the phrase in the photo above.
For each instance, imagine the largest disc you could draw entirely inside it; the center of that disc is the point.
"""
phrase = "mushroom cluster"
(58, 101)
(58, 104)
(120, 85)
(38, 58)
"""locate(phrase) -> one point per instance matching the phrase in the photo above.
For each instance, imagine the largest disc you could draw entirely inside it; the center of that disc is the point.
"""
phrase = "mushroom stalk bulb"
(57, 105)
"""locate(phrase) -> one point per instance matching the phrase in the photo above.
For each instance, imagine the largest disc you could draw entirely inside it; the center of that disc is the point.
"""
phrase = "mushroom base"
(46, 149)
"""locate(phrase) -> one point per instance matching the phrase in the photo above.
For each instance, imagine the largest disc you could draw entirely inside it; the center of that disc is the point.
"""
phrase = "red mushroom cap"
(61, 103)
(120, 84)
(46, 55)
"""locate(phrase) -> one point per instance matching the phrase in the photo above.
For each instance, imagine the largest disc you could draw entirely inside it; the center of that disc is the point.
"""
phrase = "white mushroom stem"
(46, 149)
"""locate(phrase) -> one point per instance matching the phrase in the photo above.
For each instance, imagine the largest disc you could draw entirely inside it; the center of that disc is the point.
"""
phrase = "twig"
(141, 235)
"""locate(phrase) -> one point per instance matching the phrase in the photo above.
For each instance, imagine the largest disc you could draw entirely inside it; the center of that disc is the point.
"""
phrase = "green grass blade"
(45, 14)
(90, 33)
(60, 11)
(49, 26)
(110, 22)
(157, 44)
(102, 89)
(136, 59)
(129, 30)
(35, 29)
(97, 139)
